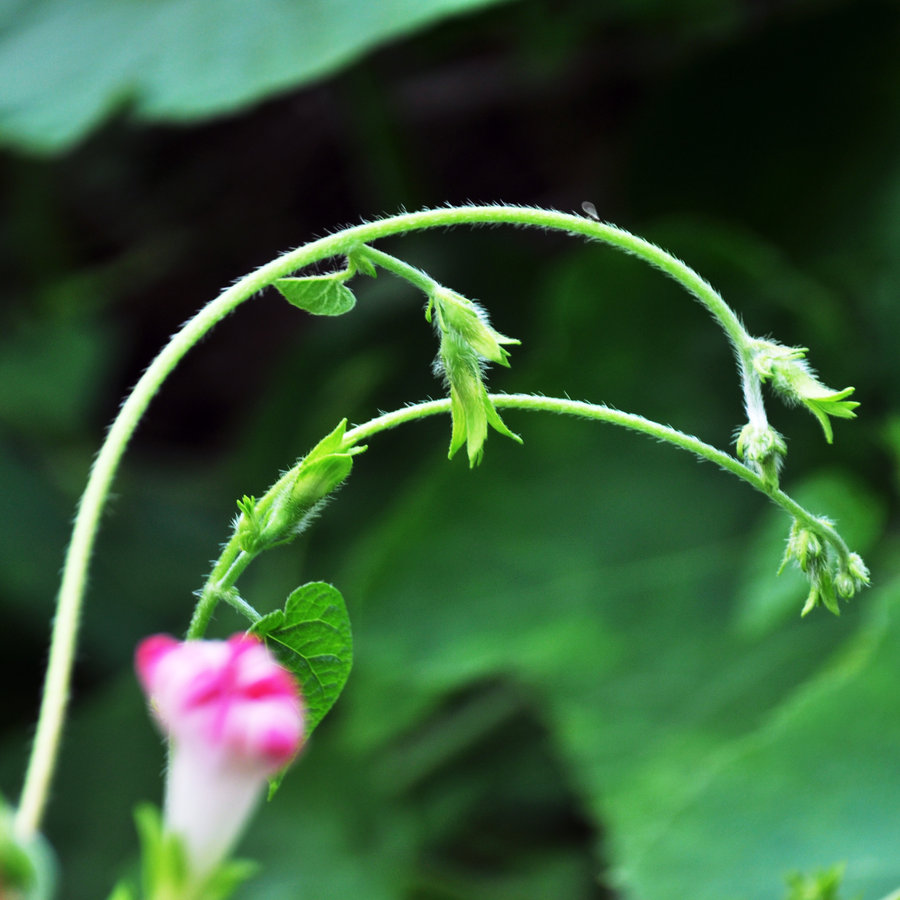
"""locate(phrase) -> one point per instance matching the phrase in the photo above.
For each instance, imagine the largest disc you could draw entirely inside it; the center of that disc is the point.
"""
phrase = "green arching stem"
(423, 281)
(599, 412)
(220, 586)
(66, 620)
(233, 561)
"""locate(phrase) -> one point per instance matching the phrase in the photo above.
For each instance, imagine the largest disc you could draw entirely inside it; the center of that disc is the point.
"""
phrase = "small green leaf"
(357, 262)
(321, 295)
(315, 643)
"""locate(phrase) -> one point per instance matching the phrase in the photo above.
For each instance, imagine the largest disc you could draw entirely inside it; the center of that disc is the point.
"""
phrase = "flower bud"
(469, 323)
(763, 448)
(471, 409)
(293, 500)
(301, 496)
(467, 343)
(792, 377)
(857, 570)
(235, 717)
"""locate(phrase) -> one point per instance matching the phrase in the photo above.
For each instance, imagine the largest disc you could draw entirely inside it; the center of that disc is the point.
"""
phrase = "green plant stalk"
(233, 560)
(601, 413)
(68, 609)
(220, 586)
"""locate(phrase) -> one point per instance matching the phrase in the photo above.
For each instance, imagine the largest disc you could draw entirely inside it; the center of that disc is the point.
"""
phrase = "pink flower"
(235, 717)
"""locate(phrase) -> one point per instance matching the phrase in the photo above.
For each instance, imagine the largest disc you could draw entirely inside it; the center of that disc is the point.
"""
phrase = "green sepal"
(792, 377)
(313, 640)
(831, 404)
(471, 412)
(163, 865)
(164, 871)
(248, 526)
(821, 590)
(321, 295)
(471, 409)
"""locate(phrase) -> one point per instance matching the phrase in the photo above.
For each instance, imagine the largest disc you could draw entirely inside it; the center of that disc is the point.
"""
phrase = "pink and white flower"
(234, 717)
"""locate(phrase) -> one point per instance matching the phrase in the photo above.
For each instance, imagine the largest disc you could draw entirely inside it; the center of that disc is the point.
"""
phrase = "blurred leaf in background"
(576, 673)
(67, 66)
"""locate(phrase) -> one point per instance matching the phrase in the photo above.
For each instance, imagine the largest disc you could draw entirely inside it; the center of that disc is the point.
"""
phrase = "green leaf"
(321, 295)
(596, 592)
(815, 786)
(65, 67)
(313, 634)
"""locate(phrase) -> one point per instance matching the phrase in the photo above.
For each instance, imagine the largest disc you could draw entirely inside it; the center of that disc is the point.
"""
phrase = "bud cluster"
(792, 377)
(467, 343)
(831, 574)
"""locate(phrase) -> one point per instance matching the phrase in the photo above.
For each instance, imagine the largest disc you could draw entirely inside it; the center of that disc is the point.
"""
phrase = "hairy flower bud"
(469, 322)
(467, 343)
(795, 381)
(763, 448)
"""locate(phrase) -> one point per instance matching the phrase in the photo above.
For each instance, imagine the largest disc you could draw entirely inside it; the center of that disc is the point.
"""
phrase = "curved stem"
(66, 620)
(220, 586)
(422, 280)
(632, 421)
(68, 606)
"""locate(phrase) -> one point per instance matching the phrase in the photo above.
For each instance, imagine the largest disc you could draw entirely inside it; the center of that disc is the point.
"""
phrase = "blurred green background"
(576, 673)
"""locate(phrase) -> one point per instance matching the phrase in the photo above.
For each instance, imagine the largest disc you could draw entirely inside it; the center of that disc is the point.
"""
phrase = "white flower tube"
(234, 717)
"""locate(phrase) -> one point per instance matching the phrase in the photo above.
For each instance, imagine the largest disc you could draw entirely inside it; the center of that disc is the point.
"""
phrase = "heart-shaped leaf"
(313, 639)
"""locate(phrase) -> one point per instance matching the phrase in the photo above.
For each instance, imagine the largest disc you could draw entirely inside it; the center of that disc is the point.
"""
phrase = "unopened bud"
(290, 503)
(763, 448)
(793, 378)
(468, 322)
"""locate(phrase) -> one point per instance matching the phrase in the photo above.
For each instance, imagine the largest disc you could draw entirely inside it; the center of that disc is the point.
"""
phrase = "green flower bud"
(796, 382)
(294, 499)
(301, 495)
(804, 547)
(762, 448)
(857, 570)
(467, 343)
(468, 322)
(471, 409)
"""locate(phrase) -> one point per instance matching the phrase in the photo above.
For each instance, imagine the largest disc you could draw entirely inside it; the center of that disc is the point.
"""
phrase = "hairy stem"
(601, 413)
(68, 611)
